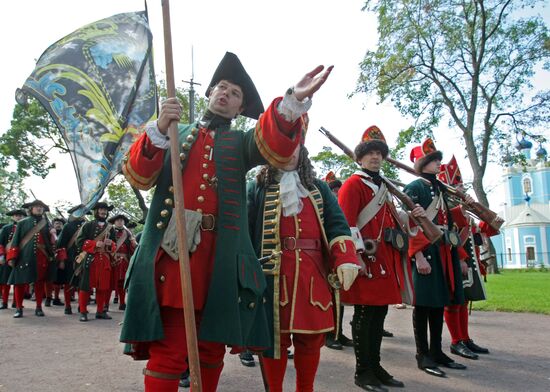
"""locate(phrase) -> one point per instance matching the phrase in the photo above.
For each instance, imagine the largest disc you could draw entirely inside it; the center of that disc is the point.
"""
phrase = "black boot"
(13, 305)
(18, 313)
(115, 300)
(48, 302)
(83, 317)
(332, 343)
(461, 349)
(4, 306)
(57, 302)
(475, 348)
(386, 378)
(365, 379)
(122, 307)
(103, 315)
(68, 310)
(38, 312)
(428, 365)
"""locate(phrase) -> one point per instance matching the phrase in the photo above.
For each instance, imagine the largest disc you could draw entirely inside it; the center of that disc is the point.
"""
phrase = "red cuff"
(275, 137)
(458, 217)
(143, 164)
(13, 253)
(89, 246)
(487, 229)
(418, 243)
(61, 254)
(343, 252)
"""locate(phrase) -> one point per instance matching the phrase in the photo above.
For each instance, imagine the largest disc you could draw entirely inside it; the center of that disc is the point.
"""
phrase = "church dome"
(523, 144)
(541, 153)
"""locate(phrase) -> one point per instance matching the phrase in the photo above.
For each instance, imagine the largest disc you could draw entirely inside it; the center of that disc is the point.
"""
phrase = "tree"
(12, 195)
(342, 165)
(470, 62)
(123, 197)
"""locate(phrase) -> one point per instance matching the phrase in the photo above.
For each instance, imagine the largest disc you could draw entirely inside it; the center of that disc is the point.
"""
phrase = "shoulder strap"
(39, 226)
(433, 208)
(370, 210)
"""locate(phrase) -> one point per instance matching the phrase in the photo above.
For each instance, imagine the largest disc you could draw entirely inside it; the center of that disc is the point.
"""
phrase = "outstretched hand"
(311, 82)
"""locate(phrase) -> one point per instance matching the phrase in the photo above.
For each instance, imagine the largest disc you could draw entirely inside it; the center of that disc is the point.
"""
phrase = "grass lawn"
(517, 291)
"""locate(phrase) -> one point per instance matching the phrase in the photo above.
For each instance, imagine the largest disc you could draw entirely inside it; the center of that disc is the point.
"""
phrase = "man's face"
(433, 167)
(372, 160)
(102, 213)
(17, 217)
(37, 210)
(57, 225)
(293, 163)
(226, 99)
(119, 223)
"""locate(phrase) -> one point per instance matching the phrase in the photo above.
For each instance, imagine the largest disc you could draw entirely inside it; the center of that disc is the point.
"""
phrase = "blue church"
(525, 236)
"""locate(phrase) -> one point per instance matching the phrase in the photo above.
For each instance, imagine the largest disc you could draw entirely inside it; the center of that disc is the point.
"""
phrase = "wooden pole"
(179, 210)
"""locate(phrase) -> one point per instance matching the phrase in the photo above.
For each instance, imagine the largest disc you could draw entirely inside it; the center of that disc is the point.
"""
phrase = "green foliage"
(469, 63)
(31, 136)
(123, 197)
(517, 291)
(12, 195)
(326, 160)
(201, 103)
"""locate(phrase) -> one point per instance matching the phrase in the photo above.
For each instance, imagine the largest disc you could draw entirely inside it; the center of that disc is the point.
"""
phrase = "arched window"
(527, 185)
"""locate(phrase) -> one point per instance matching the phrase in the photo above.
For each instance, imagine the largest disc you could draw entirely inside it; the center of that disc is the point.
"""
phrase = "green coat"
(5, 237)
(24, 270)
(89, 231)
(64, 275)
(433, 290)
(237, 279)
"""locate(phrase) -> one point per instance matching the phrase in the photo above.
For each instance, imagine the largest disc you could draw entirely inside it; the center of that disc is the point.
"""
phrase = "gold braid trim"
(271, 156)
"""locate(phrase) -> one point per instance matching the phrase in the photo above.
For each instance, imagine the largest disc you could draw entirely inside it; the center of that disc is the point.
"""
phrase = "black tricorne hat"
(36, 203)
(119, 216)
(102, 204)
(231, 69)
(18, 211)
(57, 219)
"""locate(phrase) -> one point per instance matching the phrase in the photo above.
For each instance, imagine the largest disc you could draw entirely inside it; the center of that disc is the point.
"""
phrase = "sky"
(277, 42)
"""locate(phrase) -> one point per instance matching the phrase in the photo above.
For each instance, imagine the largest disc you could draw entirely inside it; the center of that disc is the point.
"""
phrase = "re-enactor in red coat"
(125, 244)
(231, 92)
(384, 278)
(6, 236)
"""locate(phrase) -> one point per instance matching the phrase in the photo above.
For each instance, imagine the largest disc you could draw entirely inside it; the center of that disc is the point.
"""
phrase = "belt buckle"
(213, 222)
(293, 243)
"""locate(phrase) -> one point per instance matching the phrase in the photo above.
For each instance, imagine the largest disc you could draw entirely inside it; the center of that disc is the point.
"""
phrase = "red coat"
(121, 258)
(305, 298)
(100, 267)
(384, 285)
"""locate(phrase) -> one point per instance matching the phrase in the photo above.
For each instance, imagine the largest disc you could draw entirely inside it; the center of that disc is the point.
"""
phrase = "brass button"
(200, 199)
(299, 220)
(299, 259)
(194, 131)
(171, 189)
(239, 300)
(205, 165)
(160, 225)
(429, 257)
(208, 147)
(190, 138)
(185, 146)
(162, 278)
(300, 230)
(164, 213)
(182, 156)
(251, 305)
(199, 210)
(265, 300)
(202, 187)
(205, 176)
(206, 156)
(168, 202)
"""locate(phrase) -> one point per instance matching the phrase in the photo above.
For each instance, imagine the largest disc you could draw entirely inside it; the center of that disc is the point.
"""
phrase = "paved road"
(58, 353)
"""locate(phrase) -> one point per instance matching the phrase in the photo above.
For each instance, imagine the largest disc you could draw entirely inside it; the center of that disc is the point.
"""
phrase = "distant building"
(525, 236)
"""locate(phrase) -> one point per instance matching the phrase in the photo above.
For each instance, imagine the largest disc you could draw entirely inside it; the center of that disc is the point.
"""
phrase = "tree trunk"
(141, 203)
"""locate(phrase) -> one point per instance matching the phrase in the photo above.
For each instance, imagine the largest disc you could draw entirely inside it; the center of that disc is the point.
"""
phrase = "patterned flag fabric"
(98, 84)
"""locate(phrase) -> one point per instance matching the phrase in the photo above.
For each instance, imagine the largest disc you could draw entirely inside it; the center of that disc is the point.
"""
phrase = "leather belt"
(208, 222)
(293, 243)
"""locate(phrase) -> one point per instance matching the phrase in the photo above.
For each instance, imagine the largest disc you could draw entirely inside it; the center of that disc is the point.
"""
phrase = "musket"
(431, 231)
(476, 208)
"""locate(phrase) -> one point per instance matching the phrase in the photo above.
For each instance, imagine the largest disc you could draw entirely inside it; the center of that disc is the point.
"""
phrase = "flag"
(98, 85)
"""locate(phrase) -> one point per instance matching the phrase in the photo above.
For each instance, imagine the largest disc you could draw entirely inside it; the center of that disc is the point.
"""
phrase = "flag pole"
(183, 253)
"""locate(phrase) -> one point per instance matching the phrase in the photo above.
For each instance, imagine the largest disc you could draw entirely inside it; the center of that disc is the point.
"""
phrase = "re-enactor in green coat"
(32, 256)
